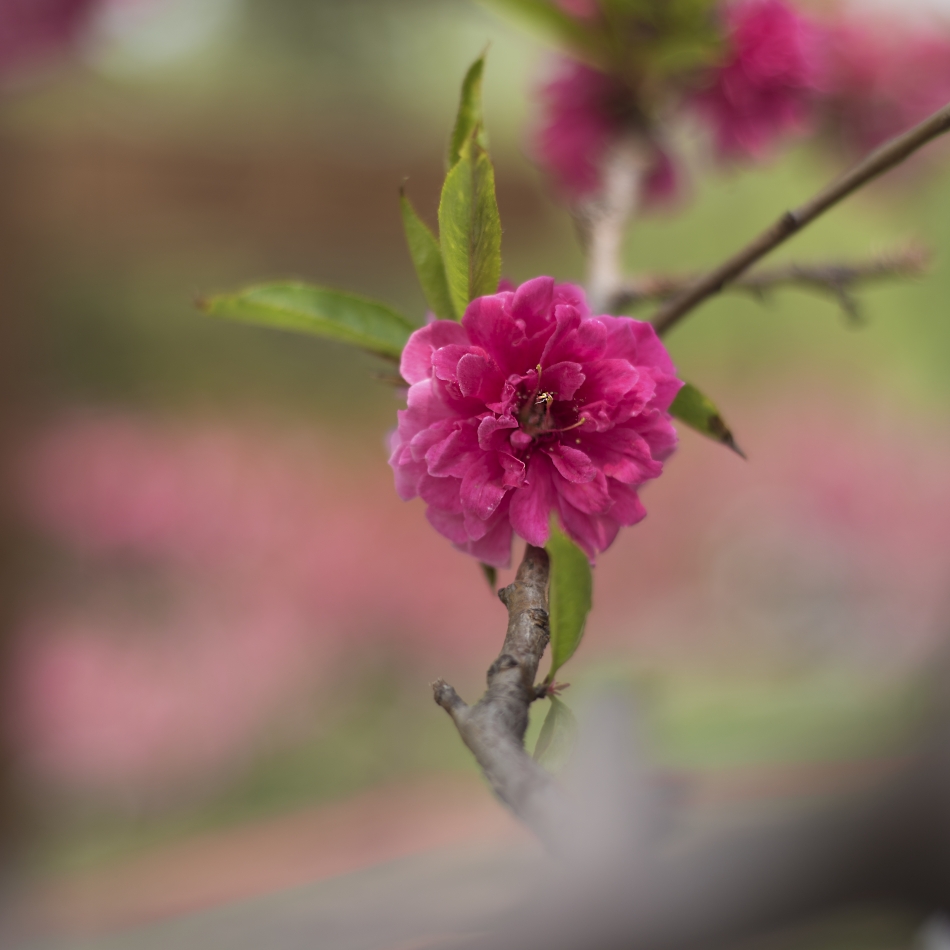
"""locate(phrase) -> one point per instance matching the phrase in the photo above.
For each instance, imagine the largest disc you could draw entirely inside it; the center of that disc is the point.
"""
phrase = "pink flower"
(31, 30)
(768, 82)
(582, 9)
(585, 112)
(532, 405)
(882, 78)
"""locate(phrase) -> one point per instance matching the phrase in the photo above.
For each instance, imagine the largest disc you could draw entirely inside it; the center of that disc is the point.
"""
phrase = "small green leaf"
(468, 121)
(557, 26)
(556, 736)
(700, 413)
(491, 575)
(682, 55)
(470, 228)
(427, 258)
(571, 589)
(326, 313)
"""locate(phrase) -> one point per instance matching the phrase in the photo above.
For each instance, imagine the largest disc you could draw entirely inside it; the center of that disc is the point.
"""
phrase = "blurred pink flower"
(261, 585)
(819, 545)
(238, 508)
(582, 9)
(532, 405)
(136, 708)
(767, 85)
(585, 112)
(882, 77)
(34, 30)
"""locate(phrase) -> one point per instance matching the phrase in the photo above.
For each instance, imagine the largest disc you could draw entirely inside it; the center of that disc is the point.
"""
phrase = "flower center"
(537, 415)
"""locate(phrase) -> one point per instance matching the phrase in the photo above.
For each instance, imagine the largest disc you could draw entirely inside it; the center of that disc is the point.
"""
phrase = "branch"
(839, 280)
(875, 165)
(494, 727)
(602, 220)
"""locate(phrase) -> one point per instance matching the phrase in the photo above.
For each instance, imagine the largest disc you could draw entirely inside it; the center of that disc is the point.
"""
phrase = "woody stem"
(494, 728)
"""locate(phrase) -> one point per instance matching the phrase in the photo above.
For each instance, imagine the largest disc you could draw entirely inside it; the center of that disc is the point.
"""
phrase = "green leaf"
(470, 228)
(571, 589)
(700, 413)
(683, 55)
(427, 258)
(491, 575)
(556, 26)
(468, 121)
(557, 734)
(326, 313)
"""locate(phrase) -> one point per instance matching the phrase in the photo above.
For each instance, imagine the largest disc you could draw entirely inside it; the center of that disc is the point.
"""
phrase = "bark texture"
(838, 280)
(494, 727)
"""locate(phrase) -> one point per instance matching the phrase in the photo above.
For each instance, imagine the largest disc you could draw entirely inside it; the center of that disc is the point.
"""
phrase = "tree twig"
(838, 279)
(602, 220)
(875, 165)
(494, 728)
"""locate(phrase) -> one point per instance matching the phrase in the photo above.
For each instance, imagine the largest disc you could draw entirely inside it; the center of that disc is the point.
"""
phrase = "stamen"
(576, 425)
(537, 388)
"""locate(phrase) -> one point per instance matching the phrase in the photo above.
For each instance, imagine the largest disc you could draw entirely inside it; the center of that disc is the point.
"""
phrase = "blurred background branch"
(841, 281)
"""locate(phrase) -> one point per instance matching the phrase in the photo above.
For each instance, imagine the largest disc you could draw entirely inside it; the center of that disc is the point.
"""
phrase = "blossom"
(881, 78)
(532, 405)
(250, 546)
(582, 9)
(31, 30)
(585, 112)
(768, 82)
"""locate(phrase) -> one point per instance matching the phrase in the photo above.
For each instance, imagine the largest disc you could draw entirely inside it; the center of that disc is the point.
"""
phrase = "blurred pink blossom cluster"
(224, 577)
(820, 549)
(882, 76)
(579, 8)
(768, 81)
(586, 112)
(32, 31)
(775, 71)
(259, 550)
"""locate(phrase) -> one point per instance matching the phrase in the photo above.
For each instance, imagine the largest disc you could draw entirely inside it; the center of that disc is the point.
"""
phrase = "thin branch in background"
(840, 280)
(876, 164)
(494, 728)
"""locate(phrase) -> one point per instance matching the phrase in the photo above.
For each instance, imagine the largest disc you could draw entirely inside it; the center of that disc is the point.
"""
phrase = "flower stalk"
(603, 219)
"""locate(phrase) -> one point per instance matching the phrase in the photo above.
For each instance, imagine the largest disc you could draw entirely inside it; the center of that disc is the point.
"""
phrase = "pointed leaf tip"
(491, 575)
(731, 443)
(699, 412)
(468, 119)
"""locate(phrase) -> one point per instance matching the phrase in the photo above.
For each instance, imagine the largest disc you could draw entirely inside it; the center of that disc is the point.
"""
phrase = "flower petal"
(441, 493)
(482, 489)
(592, 497)
(532, 503)
(416, 362)
(571, 463)
(495, 547)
